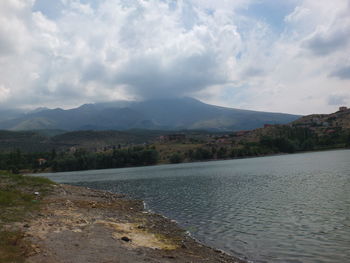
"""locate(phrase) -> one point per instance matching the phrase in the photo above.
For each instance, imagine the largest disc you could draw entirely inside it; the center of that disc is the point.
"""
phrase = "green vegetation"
(17, 160)
(78, 159)
(17, 201)
(26, 141)
(42, 141)
(83, 160)
(176, 158)
(294, 139)
(85, 150)
(281, 139)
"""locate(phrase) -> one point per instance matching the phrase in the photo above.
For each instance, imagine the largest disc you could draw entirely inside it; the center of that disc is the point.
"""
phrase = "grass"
(17, 201)
(166, 150)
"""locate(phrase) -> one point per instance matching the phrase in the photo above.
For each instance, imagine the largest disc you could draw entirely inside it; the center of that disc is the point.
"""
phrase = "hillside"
(316, 126)
(27, 141)
(339, 119)
(161, 114)
(46, 140)
(83, 150)
(314, 131)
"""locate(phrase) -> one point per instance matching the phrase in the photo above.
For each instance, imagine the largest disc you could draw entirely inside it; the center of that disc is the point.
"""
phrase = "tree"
(222, 153)
(176, 158)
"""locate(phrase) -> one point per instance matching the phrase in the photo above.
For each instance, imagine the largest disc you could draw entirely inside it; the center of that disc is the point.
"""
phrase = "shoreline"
(78, 224)
(192, 162)
(189, 234)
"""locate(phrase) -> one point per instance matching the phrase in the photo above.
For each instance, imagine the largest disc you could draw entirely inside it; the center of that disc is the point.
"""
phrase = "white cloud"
(338, 99)
(298, 15)
(297, 77)
(4, 93)
(93, 51)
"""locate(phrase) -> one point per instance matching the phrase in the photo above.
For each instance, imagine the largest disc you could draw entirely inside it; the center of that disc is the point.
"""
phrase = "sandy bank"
(79, 225)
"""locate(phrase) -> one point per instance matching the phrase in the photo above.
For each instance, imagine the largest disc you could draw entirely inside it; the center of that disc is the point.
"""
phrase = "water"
(290, 208)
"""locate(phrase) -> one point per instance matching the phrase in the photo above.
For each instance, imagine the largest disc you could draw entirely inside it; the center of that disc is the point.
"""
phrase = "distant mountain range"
(160, 114)
(8, 114)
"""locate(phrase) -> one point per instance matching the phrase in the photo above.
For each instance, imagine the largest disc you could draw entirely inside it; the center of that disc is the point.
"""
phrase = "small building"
(267, 125)
(343, 108)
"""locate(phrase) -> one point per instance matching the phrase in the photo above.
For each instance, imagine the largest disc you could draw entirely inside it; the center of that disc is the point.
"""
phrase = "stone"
(126, 239)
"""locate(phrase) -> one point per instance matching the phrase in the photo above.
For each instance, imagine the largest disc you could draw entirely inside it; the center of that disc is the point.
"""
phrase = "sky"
(289, 56)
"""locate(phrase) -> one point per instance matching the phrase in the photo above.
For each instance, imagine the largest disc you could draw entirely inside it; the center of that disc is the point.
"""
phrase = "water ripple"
(293, 208)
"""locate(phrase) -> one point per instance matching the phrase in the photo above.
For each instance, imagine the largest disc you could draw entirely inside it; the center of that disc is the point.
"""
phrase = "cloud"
(4, 93)
(338, 100)
(342, 73)
(323, 42)
(150, 77)
(332, 27)
(231, 53)
(297, 15)
(135, 49)
(253, 72)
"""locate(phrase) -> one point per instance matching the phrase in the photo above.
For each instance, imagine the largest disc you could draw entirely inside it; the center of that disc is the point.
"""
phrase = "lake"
(288, 208)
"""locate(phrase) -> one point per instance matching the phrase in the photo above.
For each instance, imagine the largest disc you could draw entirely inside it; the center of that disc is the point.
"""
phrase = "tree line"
(284, 139)
(78, 160)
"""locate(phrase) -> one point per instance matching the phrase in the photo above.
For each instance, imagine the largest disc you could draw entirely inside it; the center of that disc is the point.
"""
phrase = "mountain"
(27, 141)
(160, 114)
(8, 114)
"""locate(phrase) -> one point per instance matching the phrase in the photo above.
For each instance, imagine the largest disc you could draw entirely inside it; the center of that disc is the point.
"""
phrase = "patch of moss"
(17, 198)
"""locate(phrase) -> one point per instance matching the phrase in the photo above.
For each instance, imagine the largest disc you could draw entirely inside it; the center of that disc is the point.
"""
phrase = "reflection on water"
(291, 208)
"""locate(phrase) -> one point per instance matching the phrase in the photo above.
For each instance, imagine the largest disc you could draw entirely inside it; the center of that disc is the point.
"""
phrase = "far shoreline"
(26, 172)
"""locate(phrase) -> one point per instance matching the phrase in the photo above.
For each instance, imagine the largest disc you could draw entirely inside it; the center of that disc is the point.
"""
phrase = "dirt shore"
(80, 225)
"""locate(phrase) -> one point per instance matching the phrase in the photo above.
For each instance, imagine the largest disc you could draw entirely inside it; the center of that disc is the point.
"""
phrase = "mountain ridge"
(163, 114)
